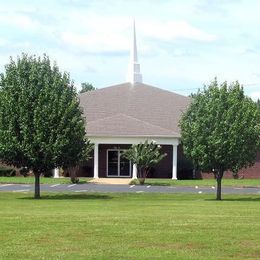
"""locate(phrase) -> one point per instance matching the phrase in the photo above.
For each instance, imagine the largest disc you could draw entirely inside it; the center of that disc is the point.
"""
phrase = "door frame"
(118, 165)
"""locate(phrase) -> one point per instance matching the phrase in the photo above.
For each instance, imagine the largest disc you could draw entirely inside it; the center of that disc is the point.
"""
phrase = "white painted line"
(139, 191)
(148, 186)
(54, 185)
(131, 186)
(72, 185)
(80, 190)
(20, 190)
(5, 185)
(200, 192)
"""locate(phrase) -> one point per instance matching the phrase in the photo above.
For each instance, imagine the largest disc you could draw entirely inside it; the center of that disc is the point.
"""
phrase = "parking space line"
(5, 185)
(72, 185)
(21, 190)
(54, 185)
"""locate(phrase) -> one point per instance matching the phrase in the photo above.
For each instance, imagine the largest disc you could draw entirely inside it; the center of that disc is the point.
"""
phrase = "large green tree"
(41, 124)
(220, 129)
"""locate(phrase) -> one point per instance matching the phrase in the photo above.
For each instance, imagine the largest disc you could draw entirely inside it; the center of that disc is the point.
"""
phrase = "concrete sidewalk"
(115, 181)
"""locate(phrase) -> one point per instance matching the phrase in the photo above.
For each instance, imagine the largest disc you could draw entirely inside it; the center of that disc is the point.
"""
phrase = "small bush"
(48, 174)
(133, 182)
(24, 171)
(74, 180)
(7, 172)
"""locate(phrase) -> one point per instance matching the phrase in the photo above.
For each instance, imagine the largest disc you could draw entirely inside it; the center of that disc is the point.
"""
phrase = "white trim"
(174, 162)
(134, 171)
(56, 173)
(134, 140)
(118, 164)
(96, 160)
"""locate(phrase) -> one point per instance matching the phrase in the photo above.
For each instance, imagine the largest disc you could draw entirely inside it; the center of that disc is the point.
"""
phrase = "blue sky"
(181, 44)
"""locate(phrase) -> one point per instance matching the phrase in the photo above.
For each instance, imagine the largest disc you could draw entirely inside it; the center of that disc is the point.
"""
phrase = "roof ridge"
(129, 84)
(105, 88)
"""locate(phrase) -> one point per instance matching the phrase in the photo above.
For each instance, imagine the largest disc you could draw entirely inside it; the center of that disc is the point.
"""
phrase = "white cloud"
(255, 95)
(18, 20)
(98, 33)
(174, 30)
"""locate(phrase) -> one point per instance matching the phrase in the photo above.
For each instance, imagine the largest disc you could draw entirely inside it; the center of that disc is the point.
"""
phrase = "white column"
(96, 161)
(56, 173)
(134, 171)
(174, 162)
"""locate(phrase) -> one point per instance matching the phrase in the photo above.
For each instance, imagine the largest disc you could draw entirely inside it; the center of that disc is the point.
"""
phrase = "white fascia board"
(134, 140)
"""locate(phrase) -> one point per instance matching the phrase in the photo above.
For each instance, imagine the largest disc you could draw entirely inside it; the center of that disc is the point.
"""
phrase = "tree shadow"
(72, 197)
(237, 199)
(156, 184)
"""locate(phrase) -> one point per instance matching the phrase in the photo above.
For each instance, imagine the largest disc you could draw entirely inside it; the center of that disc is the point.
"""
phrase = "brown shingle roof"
(133, 110)
(120, 124)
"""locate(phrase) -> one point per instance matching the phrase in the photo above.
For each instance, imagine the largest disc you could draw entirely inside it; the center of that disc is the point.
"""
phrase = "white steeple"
(134, 74)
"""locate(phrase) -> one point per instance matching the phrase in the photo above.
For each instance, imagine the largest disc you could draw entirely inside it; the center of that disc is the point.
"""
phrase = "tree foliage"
(144, 155)
(85, 87)
(220, 129)
(41, 124)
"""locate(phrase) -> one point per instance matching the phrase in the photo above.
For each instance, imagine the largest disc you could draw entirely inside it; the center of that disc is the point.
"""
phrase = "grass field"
(205, 182)
(129, 226)
(43, 180)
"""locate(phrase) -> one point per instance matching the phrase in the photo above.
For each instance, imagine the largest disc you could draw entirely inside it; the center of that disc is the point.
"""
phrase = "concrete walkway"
(115, 181)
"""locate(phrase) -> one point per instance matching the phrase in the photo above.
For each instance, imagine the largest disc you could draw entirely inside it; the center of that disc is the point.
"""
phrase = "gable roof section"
(138, 104)
(123, 125)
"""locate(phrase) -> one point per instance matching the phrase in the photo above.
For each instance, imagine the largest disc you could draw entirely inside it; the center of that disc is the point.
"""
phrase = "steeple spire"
(134, 74)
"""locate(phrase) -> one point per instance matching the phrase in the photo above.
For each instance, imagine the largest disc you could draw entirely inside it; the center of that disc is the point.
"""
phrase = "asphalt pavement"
(104, 188)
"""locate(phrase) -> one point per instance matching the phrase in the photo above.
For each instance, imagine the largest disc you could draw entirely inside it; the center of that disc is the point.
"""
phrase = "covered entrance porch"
(108, 161)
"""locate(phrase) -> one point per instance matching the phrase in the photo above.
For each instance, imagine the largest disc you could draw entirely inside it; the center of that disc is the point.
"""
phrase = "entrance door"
(117, 165)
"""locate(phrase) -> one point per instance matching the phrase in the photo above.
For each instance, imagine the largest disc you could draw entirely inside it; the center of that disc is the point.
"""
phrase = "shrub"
(7, 172)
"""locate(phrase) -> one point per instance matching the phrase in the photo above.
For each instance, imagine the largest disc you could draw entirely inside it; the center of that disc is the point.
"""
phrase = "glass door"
(112, 163)
(124, 166)
(117, 165)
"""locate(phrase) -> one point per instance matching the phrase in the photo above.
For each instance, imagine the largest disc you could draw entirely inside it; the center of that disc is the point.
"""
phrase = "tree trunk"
(37, 185)
(219, 176)
(140, 175)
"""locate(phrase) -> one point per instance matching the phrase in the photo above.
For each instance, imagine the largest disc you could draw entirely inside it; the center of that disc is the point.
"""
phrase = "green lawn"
(205, 182)
(129, 226)
(44, 180)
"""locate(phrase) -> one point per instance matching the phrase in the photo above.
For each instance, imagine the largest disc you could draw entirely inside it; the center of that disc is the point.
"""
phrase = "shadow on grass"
(237, 199)
(72, 197)
(156, 184)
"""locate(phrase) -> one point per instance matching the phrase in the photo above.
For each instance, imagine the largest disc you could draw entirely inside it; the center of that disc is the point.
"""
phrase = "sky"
(182, 44)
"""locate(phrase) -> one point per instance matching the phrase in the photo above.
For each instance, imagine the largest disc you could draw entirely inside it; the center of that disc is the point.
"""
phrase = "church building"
(130, 113)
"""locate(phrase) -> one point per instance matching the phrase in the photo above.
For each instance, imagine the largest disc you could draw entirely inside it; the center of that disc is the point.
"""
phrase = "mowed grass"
(205, 182)
(129, 226)
(161, 182)
(43, 180)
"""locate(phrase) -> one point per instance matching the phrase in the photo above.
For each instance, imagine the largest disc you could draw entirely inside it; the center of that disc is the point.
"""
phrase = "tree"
(220, 129)
(41, 124)
(144, 155)
(85, 87)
